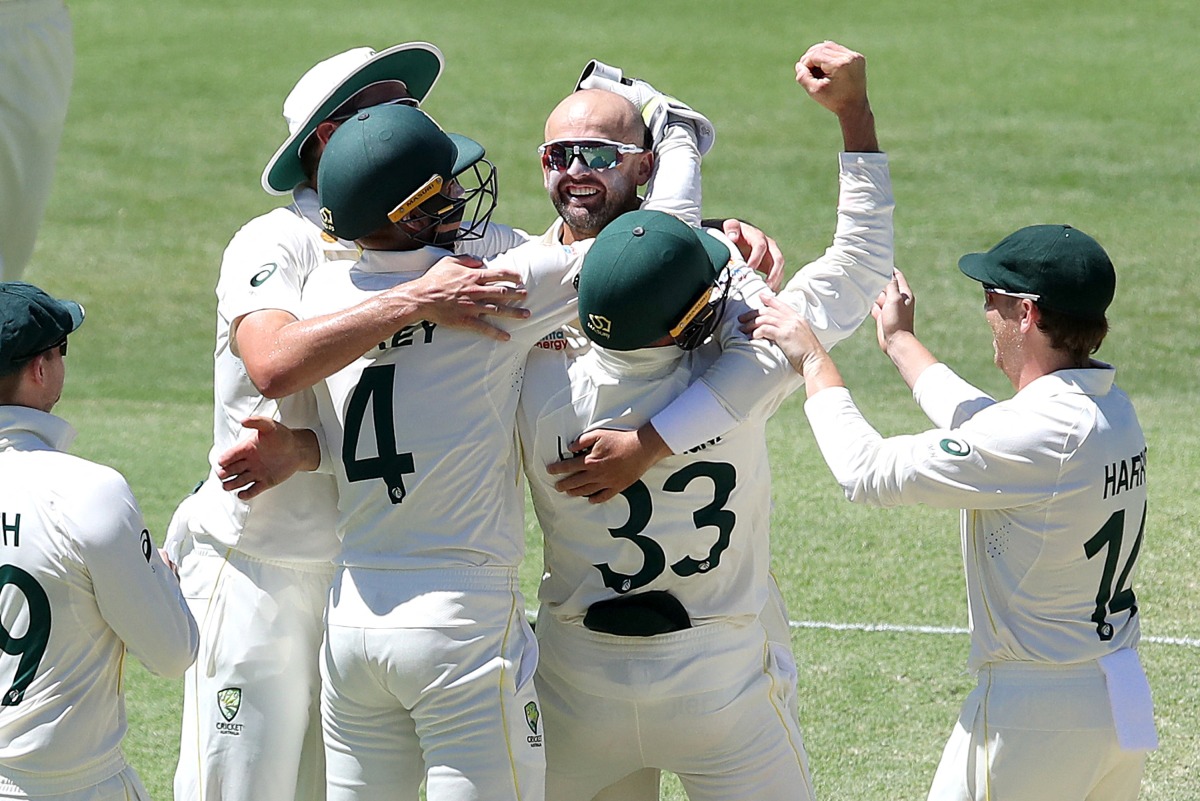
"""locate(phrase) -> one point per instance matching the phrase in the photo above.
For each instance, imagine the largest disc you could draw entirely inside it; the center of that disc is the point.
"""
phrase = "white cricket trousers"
(37, 60)
(1037, 733)
(251, 723)
(428, 674)
(122, 786)
(711, 704)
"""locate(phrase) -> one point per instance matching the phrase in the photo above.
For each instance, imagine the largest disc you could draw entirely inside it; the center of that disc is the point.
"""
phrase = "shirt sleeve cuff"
(692, 419)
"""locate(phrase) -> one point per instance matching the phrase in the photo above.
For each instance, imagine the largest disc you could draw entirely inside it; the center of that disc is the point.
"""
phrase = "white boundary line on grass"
(1190, 642)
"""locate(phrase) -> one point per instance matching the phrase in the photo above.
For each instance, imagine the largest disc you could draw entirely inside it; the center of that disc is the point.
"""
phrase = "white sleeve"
(835, 293)
(948, 400)
(752, 376)
(675, 182)
(495, 240)
(136, 591)
(962, 468)
(266, 264)
(549, 271)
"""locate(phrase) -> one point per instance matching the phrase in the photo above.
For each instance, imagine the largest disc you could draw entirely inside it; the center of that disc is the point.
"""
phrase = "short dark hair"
(310, 159)
(9, 383)
(1077, 336)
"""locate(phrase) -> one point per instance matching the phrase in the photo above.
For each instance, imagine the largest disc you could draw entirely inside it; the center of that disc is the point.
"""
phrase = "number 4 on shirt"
(374, 390)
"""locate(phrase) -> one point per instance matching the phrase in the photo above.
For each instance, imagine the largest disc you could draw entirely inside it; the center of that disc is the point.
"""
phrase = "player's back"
(80, 581)
(61, 661)
(1051, 577)
(422, 428)
(696, 524)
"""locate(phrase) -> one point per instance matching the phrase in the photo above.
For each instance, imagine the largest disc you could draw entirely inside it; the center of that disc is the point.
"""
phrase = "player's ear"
(645, 168)
(1027, 315)
(324, 131)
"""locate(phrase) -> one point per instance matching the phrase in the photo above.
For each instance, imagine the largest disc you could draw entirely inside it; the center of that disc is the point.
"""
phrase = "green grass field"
(996, 116)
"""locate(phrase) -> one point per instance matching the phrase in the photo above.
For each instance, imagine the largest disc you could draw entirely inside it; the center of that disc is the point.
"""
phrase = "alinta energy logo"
(229, 701)
(532, 716)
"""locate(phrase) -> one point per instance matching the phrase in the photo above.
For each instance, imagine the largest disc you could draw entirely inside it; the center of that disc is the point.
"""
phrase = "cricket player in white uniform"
(1052, 484)
(589, 750)
(37, 59)
(466, 559)
(80, 580)
(257, 572)
(653, 653)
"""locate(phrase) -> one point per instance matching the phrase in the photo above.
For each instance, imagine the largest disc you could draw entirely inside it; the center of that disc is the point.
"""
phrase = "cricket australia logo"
(327, 218)
(531, 717)
(600, 325)
(229, 701)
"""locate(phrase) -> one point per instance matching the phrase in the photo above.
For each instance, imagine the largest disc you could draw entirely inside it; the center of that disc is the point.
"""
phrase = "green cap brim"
(468, 152)
(977, 266)
(717, 252)
(416, 63)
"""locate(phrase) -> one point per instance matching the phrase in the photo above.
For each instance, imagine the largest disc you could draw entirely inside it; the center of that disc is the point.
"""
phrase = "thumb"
(586, 440)
(260, 424)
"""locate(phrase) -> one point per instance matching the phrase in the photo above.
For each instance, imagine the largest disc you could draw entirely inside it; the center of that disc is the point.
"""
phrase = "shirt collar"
(1096, 379)
(25, 429)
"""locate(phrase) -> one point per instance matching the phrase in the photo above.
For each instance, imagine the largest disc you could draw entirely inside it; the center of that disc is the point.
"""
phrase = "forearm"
(675, 185)
(858, 129)
(299, 354)
(909, 355)
(820, 373)
(835, 292)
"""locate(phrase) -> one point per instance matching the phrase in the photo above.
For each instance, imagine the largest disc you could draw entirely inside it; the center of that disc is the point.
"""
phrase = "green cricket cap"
(382, 163)
(1063, 266)
(644, 271)
(31, 321)
(330, 83)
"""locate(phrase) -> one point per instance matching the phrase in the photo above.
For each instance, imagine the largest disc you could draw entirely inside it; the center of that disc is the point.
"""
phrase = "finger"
(585, 441)
(253, 492)
(902, 283)
(758, 252)
(504, 310)
(775, 277)
(486, 329)
(766, 330)
(262, 425)
(491, 275)
(235, 482)
(749, 317)
(566, 466)
(231, 466)
(775, 303)
(576, 485)
(602, 496)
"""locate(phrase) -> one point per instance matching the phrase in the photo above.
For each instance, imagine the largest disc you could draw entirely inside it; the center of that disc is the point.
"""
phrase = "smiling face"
(588, 199)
